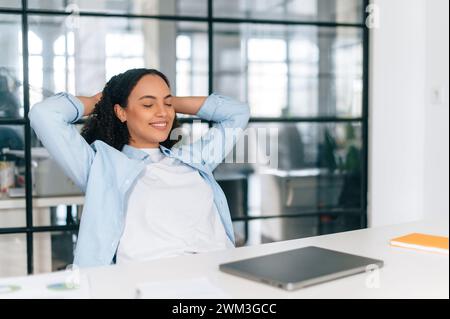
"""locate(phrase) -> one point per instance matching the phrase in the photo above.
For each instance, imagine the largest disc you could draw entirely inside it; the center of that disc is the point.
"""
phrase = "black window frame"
(24, 12)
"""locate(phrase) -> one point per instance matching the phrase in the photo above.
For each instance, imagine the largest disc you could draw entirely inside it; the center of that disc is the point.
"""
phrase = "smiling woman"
(130, 104)
(131, 171)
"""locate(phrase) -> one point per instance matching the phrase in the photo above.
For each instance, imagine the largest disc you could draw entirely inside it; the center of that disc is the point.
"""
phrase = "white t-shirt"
(170, 212)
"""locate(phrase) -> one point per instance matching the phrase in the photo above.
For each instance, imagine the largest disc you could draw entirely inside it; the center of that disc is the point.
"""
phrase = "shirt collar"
(136, 153)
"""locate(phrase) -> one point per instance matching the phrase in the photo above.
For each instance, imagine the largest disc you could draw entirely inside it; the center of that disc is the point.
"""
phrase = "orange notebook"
(432, 243)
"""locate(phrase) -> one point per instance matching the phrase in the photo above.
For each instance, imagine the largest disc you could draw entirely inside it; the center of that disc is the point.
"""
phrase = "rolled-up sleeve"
(230, 118)
(52, 120)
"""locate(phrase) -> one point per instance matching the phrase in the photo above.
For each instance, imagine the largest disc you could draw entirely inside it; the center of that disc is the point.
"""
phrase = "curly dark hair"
(103, 124)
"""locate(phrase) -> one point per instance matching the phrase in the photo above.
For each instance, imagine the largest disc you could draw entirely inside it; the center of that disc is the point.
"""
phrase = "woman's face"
(149, 113)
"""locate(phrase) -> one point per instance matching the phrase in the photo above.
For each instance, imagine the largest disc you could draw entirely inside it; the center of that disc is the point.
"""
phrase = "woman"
(147, 195)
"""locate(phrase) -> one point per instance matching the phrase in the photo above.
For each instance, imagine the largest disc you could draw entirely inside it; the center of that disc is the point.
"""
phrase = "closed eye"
(152, 105)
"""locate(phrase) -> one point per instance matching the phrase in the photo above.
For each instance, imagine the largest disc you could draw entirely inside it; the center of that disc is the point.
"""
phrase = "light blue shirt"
(106, 175)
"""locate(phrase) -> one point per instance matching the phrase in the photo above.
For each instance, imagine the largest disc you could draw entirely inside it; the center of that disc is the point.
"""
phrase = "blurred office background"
(361, 113)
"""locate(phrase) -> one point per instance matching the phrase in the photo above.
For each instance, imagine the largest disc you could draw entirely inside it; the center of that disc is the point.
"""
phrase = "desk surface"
(406, 273)
(38, 202)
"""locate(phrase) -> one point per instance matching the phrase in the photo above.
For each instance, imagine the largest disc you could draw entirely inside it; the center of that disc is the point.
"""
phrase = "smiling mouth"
(159, 125)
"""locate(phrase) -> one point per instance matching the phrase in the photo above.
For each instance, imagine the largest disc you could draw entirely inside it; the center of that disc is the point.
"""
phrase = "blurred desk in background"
(13, 248)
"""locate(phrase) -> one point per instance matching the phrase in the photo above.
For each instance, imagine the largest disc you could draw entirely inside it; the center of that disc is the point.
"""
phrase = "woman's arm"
(188, 104)
(52, 120)
(230, 119)
(89, 102)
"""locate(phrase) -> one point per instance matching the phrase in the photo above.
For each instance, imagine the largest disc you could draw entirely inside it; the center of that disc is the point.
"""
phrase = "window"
(302, 66)
(64, 63)
(128, 55)
(267, 76)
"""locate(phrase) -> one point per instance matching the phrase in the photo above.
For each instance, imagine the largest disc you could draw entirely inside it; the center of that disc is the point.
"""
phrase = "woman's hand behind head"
(89, 102)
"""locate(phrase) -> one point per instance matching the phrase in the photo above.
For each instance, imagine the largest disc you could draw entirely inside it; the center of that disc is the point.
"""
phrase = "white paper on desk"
(40, 286)
(194, 288)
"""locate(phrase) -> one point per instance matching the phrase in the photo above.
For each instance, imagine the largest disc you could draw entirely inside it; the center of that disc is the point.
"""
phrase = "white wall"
(406, 166)
(436, 175)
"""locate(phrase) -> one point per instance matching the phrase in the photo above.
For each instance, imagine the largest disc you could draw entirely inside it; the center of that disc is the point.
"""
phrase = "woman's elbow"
(40, 116)
(34, 114)
(245, 112)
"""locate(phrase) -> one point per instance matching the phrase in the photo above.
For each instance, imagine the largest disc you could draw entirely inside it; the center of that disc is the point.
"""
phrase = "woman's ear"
(120, 113)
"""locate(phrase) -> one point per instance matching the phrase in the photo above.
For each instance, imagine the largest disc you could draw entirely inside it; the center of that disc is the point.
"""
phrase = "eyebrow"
(153, 97)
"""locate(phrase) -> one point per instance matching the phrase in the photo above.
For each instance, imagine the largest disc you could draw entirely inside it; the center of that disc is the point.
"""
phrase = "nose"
(161, 110)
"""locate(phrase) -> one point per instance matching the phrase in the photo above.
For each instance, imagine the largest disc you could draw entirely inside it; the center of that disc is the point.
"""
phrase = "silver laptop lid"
(301, 267)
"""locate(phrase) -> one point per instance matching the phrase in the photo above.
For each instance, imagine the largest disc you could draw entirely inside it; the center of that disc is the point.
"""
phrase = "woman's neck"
(144, 145)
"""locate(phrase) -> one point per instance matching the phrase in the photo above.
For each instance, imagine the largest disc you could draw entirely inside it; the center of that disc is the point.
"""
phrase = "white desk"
(406, 274)
(13, 247)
